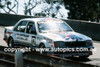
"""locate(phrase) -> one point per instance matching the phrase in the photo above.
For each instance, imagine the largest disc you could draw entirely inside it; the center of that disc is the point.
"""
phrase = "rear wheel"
(10, 43)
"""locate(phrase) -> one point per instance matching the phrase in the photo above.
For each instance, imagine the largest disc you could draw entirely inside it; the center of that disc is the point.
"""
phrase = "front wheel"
(42, 49)
(10, 43)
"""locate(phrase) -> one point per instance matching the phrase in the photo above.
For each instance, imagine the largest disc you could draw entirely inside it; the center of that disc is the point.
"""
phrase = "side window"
(21, 26)
(31, 28)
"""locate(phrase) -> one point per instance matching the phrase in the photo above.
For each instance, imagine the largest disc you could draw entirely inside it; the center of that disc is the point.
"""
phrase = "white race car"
(48, 33)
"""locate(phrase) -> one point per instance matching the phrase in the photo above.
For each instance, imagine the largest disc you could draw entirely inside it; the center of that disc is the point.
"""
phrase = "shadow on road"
(79, 59)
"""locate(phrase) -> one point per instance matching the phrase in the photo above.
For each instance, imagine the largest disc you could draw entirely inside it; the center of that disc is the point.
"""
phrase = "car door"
(19, 32)
(31, 31)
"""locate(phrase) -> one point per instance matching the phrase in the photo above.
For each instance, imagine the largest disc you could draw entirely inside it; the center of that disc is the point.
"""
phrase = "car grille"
(76, 44)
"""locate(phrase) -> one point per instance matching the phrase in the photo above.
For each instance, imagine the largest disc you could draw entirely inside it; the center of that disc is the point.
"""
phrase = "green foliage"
(83, 9)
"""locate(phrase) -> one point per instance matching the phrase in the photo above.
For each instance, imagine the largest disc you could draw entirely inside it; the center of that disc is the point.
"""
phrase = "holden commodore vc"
(48, 33)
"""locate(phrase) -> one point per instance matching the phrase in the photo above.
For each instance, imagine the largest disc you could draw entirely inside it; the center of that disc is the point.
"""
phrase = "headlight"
(89, 42)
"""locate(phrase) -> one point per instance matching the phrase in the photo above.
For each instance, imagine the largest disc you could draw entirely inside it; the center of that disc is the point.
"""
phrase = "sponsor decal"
(67, 37)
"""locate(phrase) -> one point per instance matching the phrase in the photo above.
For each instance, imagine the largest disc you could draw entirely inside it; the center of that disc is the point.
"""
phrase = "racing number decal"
(22, 36)
(34, 40)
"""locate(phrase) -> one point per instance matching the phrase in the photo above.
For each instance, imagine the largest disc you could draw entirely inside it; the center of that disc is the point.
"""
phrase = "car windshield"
(53, 27)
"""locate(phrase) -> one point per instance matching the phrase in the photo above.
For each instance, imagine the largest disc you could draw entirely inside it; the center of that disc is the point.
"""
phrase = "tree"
(83, 9)
(29, 6)
(54, 9)
(8, 6)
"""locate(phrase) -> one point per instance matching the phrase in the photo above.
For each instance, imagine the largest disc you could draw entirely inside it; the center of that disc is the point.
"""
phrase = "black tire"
(84, 57)
(42, 52)
(10, 42)
(42, 46)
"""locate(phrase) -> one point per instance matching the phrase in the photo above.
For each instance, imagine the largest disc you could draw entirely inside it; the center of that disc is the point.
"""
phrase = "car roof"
(41, 19)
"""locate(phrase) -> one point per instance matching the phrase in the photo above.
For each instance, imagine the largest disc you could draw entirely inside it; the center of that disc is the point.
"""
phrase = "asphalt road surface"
(2, 42)
(93, 59)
